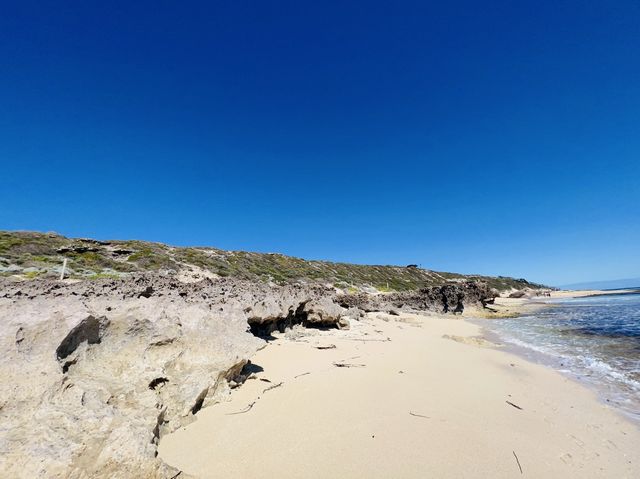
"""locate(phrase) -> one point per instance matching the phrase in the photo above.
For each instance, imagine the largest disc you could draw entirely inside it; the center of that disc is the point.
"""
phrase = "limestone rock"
(518, 294)
(344, 323)
(323, 311)
(449, 298)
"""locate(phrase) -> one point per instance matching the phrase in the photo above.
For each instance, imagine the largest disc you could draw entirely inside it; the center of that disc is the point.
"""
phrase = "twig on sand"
(330, 346)
(517, 460)
(265, 380)
(418, 415)
(514, 405)
(348, 365)
(303, 374)
(247, 409)
(273, 387)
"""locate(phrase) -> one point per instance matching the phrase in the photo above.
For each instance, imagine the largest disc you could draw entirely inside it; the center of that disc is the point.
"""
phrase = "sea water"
(594, 340)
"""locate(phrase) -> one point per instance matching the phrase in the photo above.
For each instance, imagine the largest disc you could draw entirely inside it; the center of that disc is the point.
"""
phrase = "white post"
(64, 267)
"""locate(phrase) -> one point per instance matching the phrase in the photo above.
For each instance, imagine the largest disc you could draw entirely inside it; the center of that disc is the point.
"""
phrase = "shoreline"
(543, 359)
(505, 307)
(616, 397)
(417, 394)
(587, 293)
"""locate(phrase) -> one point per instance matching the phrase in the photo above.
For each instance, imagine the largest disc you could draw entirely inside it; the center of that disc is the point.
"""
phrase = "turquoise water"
(595, 340)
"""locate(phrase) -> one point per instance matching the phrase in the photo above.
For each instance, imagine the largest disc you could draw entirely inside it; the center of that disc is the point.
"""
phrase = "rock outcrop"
(450, 298)
(95, 372)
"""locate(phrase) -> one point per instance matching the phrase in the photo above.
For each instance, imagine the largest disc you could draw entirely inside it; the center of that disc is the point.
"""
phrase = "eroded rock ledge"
(95, 372)
(449, 298)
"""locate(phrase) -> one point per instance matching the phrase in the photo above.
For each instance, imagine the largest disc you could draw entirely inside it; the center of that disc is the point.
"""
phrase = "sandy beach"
(404, 396)
(511, 307)
(590, 292)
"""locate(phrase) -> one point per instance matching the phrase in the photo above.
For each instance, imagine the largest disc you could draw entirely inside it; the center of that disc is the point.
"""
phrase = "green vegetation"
(8, 243)
(96, 259)
(43, 259)
(22, 243)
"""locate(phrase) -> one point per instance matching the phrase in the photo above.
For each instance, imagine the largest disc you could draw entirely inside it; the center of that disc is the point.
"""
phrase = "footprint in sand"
(579, 442)
(567, 458)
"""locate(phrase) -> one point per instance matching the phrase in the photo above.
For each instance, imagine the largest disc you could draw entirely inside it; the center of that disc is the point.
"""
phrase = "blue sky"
(499, 138)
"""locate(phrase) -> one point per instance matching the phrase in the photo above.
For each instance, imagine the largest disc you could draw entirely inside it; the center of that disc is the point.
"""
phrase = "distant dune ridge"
(33, 254)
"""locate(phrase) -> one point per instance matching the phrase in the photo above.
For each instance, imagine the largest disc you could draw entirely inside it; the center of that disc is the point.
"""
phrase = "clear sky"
(479, 137)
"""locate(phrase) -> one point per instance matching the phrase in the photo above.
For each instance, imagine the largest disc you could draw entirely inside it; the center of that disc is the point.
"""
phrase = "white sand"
(588, 292)
(357, 422)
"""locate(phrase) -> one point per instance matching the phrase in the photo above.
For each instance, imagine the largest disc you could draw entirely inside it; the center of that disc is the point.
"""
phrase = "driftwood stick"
(514, 405)
(348, 365)
(303, 374)
(273, 387)
(247, 409)
(517, 460)
(418, 415)
(330, 346)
